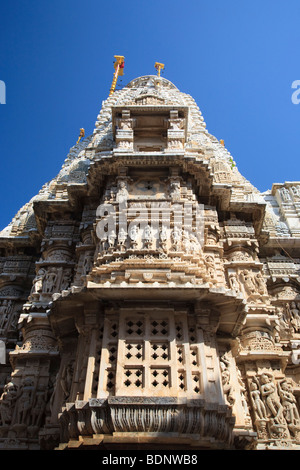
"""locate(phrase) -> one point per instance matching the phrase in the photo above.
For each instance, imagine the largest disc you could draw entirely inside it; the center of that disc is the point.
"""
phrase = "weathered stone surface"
(150, 294)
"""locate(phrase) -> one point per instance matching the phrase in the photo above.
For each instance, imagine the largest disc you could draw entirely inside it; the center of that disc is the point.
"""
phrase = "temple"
(150, 294)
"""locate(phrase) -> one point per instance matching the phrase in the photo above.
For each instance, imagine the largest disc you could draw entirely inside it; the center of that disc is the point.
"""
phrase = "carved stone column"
(124, 132)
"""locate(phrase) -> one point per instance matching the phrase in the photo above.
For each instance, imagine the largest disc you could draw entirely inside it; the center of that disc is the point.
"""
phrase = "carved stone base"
(168, 417)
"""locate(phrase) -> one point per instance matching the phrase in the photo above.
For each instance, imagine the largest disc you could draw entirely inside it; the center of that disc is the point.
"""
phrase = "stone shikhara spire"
(150, 292)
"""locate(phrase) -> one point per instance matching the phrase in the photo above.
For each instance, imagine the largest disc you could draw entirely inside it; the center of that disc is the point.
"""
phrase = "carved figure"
(225, 374)
(271, 398)
(24, 402)
(175, 190)
(210, 266)
(122, 237)
(7, 403)
(134, 233)
(289, 403)
(38, 282)
(285, 195)
(248, 281)
(38, 409)
(176, 238)
(260, 282)
(112, 239)
(163, 237)
(234, 283)
(50, 281)
(66, 378)
(186, 241)
(122, 194)
(258, 405)
(295, 317)
(66, 279)
(148, 237)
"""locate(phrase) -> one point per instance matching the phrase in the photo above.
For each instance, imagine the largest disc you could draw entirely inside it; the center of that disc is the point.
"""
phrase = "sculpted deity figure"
(234, 283)
(194, 243)
(38, 282)
(176, 238)
(111, 239)
(271, 399)
(133, 234)
(24, 402)
(285, 195)
(39, 406)
(122, 237)
(66, 378)
(186, 241)
(258, 404)
(248, 282)
(289, 403)
(295, 191)
(87, 265)
(210, 266)
(5, 310)
(163, 237)
(295, 317)
(50, 281)
(122, 194)
(225, 375)
(66, 279)
(7, 403)
(261, 286)
(175, 190)
(148, 236)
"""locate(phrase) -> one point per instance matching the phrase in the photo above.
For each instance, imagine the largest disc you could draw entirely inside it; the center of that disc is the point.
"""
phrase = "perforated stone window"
(150, 353)
(155, 355)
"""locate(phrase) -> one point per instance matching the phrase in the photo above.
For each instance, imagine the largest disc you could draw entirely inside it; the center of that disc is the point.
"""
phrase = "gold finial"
(222, 142)
(119, 70)
(81, 134)
(159, 67)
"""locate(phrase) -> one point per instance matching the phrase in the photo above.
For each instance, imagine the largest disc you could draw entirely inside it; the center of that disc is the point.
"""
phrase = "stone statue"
(248, 281)
(24, 402)
(50, 281)
(176, 238)
(133, 234)
(122, 194)
(122, 237)
(234, 283)
(66, 379)
(258, 405)
(38, 282)
(111, 239)
(289, 404)
(148, 237)
(271, 399)
(7, 403)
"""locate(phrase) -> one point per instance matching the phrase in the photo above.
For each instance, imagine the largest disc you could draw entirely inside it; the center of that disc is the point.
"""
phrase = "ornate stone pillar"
(124, 132)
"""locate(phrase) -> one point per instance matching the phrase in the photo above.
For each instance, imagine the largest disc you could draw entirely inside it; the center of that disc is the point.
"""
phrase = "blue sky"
(238, 59)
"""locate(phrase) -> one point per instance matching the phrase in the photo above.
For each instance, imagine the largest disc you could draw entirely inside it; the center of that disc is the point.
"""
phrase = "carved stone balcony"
(128, 419)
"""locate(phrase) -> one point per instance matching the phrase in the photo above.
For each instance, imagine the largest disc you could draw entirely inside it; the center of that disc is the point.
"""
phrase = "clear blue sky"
(237, 59)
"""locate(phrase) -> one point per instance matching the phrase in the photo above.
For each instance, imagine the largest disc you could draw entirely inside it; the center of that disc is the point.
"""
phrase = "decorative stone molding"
(151, 330)
(150, 415)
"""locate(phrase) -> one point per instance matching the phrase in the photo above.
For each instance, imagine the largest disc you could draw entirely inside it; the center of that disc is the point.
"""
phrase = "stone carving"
(181, 324)
(258, 405)
(7, 403)
(226, 382)
(134, 233)
(289, 403)
(66, 379)
(38, 283)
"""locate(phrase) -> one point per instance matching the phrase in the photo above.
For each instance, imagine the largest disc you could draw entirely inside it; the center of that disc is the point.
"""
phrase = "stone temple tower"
(149, 294)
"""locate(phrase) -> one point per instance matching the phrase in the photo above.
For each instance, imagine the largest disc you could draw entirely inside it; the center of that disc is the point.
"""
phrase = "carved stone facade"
(149, 294)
